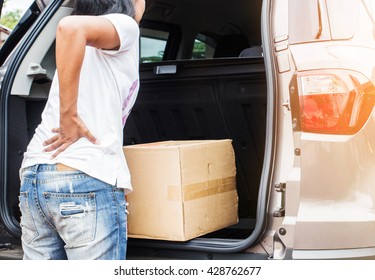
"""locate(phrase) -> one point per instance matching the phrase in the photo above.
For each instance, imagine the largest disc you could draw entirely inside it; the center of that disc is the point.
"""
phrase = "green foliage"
(151, 59)
(11, 18)
(199, 50)
(157, 58)
(199, 47)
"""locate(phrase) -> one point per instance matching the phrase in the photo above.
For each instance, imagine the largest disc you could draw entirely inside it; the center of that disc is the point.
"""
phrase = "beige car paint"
(330, 194)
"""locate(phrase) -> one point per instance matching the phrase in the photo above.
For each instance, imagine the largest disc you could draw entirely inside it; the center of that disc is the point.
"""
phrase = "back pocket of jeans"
(73, 215)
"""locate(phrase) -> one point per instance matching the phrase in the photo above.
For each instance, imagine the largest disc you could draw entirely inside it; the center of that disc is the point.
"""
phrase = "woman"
(74, 174)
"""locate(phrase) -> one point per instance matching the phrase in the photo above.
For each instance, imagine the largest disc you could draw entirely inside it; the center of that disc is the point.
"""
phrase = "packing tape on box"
(202, 189)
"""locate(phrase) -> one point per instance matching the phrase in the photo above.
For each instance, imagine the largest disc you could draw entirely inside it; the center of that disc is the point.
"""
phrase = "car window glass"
(203, 47)
(11, 14)
(152, 45)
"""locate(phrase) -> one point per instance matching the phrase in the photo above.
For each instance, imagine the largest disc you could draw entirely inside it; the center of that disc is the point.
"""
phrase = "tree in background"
(10, 18)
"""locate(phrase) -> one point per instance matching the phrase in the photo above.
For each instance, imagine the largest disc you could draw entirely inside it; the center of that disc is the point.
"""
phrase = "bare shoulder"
(95, 30)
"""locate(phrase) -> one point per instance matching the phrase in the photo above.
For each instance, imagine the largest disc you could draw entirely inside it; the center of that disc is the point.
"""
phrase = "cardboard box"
(181, 189)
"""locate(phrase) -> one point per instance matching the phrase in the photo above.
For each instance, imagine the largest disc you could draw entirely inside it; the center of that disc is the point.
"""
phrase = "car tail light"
(331, 101)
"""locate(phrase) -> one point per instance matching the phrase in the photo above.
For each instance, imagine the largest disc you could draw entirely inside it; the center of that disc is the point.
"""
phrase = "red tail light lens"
(331, 102)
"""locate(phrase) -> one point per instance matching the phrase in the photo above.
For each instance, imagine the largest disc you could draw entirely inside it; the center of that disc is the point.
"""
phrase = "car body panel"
(329, 190)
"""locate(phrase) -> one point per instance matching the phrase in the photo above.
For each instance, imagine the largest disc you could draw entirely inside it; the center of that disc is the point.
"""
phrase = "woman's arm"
(74, 33)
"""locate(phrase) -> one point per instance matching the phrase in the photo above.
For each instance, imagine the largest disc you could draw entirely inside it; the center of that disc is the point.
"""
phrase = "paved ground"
(14, 253)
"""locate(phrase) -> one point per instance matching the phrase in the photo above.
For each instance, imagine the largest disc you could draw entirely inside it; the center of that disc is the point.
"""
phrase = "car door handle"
(165, 69)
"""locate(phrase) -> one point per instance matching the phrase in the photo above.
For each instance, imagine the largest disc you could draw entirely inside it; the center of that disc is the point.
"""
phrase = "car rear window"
(152, 45)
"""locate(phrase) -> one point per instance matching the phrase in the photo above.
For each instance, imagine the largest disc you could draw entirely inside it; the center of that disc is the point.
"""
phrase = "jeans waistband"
(49, 167)
(41, 167)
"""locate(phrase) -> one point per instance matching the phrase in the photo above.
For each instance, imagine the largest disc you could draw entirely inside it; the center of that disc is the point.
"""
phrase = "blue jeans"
(70, 215)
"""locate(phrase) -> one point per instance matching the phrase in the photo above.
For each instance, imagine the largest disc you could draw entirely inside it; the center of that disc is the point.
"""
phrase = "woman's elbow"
(69, 28)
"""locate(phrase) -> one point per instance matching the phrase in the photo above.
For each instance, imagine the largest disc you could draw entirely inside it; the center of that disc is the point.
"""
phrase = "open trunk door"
(28, 18)
(1, 6)
(9, 59)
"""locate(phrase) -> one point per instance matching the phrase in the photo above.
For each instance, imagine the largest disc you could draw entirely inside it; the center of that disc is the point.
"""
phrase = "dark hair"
(103, 7)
